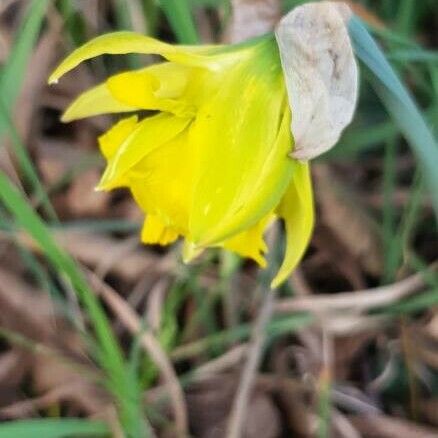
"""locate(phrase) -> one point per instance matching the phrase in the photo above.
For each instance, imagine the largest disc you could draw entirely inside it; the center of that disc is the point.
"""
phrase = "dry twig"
(357, 300)
(248, 375)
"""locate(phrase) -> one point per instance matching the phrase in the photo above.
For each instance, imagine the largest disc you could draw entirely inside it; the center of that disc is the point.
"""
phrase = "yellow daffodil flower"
(212, 163)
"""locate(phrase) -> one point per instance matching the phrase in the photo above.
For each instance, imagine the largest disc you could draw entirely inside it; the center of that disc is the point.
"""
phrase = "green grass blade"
(59, 428)
(32, 224)
(406, 16)
(109, 354)
(151, 13)
(390, 242)
(123, 17)
(180, 18)
(73, 21)
(398, 103)
(124, 22)
(25, 163)
(414, 55)
(10, 82)
(13, 72)
(277, 327)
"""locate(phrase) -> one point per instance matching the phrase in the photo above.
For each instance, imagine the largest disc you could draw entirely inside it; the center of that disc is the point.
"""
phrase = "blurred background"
(101, 336)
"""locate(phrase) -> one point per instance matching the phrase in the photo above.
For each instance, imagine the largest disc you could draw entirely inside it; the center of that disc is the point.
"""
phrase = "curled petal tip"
(276, 282)
(54, 77)
(65, 118)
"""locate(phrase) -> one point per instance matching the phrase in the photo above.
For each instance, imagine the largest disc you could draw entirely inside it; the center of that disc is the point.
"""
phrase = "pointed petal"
(235, 134)
(158, 87)
(148, 135)
(114, 137)
(250, 243)
(155, 232)
(296, 209)
(129, 42)
(93, 102)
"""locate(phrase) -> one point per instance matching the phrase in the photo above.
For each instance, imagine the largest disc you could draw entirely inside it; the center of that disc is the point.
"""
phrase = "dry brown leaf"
(11, 365)
(4, 46)
(82, 200)
(341, 211)
(356, 301)
(35, 81)
(209, 403)
(429, 408)
(63, 383)
(129, 318)
(91, 249)
(35, 318)
(337, 264)
(382, 426)
(55, 374)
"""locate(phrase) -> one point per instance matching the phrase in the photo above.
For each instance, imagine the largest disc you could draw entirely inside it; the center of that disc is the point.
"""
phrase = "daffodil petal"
(268, 187)
(114, 137)
(93, 102)
(236, 137)
(250, 243)
(148, 135)
(296, 209)
(158, 87)
(162, 182)
(155, 232)
(118, 43)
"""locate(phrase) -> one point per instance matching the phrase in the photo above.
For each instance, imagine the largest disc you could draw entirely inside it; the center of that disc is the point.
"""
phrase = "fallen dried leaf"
(382, 426)
(342, 213)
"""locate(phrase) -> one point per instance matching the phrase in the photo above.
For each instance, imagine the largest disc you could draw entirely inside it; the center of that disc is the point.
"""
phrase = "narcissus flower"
(211, 164)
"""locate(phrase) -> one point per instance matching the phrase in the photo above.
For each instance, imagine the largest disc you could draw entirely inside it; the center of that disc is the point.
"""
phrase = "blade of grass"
(398, 103)
(414, 55)
(324, 404)
(25, 163)
(406, 16)
(51, 428)
(10, 82)
(124, 22)
(123, 17)
(109, 354)
(101, 225)
(390, 241)
(73, 21)
(151, 16)
(415, 304)
(180, 19)
(13, 72)
(410, 217)
(143, 427)
(30, 261)
(275, 328)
